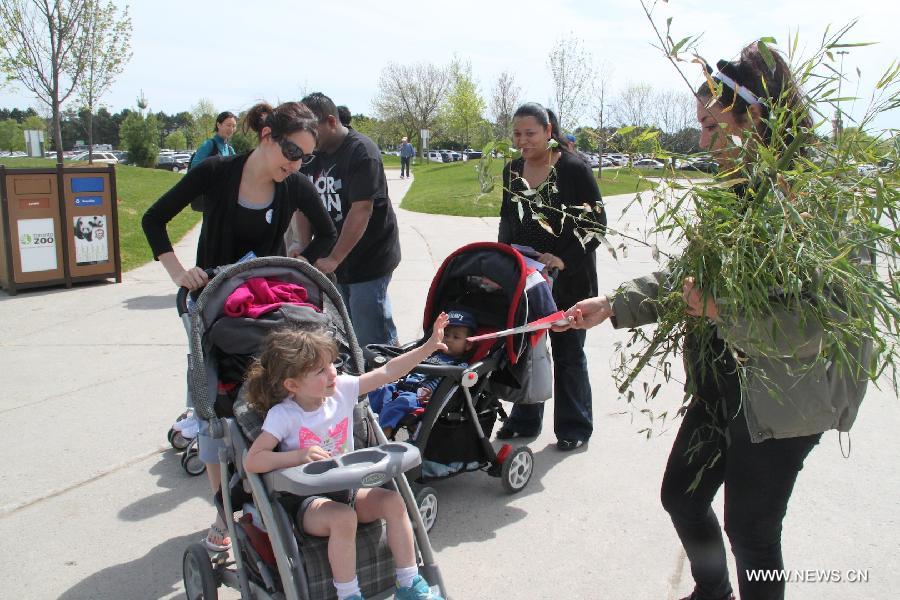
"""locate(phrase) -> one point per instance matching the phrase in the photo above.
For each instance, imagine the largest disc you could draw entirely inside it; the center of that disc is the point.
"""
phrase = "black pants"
(758, 479)
(572, 410)
(404, 166)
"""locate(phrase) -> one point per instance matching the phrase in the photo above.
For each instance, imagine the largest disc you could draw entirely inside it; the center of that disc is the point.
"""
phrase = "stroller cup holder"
(369, 467)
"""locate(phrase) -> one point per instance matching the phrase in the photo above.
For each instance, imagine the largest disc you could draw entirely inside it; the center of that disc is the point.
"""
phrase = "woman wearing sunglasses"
(249, 201)
(250, 198)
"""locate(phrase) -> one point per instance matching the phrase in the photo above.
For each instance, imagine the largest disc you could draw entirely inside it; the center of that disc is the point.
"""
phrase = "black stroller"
(494, 283)
(269, 557)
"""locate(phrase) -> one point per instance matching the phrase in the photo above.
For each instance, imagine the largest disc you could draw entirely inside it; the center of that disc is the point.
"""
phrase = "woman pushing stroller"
(309, 417)
(249, 201)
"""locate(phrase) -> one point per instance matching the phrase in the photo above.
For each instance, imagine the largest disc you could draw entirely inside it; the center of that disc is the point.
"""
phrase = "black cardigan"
(219, 179)
(576, 186)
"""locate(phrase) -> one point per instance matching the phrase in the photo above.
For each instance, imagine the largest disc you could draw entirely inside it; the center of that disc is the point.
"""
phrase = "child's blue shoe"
(355, 597)
(419, 590)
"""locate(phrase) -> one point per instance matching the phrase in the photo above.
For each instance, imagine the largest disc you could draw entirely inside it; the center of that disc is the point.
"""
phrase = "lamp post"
(838, 122)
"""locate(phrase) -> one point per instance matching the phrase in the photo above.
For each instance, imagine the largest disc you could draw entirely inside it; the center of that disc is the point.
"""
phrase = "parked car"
(703, 165)
(107, 158)
(648, 163)
(435, 156)
(618, 160)
(591, 159)
(470, 154)
(885, 165)
(168, 162)
(866, 169)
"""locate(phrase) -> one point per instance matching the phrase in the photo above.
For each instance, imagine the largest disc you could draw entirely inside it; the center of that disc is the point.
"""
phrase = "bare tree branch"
(411, 96)
(504, 101)
(572, 69)
(43, 46)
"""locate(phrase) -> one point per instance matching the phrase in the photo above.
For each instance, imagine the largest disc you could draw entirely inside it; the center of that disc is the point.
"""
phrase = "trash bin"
(60, 226)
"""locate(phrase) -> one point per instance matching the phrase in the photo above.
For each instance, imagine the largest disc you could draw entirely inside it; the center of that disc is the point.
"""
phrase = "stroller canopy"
(493, 282)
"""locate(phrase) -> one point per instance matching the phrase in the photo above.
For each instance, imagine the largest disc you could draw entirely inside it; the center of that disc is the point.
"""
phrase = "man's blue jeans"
(370, 311)
(404, 165)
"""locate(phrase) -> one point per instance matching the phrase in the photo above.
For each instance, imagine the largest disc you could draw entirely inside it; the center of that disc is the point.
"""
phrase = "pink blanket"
(261, 295)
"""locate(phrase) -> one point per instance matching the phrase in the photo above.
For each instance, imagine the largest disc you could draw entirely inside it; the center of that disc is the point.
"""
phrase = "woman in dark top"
(250, 198)
(249, 202)
(561, 180)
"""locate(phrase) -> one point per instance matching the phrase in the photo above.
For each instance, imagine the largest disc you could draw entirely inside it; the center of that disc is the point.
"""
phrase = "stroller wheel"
(427, 501)
(171, 436)
(517, 469)
(190, 460)
(199, 578)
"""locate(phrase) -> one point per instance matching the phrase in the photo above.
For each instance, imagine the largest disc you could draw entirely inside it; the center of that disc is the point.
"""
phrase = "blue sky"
(235, 53)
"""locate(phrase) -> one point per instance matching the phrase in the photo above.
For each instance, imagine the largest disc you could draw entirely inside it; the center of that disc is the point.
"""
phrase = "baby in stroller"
(308, 410)
(393, 402)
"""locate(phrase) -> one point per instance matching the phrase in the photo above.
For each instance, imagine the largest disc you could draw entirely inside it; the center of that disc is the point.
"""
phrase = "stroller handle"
(455, 372)
(181, 298)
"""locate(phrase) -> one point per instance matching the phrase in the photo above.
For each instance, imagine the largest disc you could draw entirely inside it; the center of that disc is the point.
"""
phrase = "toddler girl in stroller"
(309, 418)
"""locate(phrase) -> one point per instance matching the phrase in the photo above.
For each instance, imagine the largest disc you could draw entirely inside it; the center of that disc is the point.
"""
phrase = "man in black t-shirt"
(349, 176)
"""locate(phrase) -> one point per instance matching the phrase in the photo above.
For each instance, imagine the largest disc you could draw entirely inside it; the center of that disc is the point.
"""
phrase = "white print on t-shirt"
(329, 188)
(335, 438)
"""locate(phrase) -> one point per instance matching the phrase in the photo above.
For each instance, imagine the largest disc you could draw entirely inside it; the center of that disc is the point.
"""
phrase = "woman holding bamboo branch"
(774, 345)
(546, 194)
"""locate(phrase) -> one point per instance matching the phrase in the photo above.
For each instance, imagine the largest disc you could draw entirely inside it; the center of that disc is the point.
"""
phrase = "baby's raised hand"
(436, 341)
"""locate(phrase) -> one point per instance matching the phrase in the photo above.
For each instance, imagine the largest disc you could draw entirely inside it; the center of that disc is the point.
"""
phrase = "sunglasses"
(293, 152)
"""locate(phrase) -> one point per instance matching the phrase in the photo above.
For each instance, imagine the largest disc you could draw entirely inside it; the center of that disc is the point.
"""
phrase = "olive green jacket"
(788, 392)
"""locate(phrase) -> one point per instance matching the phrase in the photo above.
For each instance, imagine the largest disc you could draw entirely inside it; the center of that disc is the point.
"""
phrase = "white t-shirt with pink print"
(329, 427)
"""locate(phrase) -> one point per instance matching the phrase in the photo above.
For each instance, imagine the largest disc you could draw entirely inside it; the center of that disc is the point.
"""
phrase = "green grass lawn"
(452, 189)
(137, 189)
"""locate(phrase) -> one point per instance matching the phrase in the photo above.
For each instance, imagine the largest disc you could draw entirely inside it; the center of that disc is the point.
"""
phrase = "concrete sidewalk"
(94, 503)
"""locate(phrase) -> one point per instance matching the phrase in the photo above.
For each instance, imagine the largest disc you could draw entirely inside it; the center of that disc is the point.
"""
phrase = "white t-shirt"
(329, 427)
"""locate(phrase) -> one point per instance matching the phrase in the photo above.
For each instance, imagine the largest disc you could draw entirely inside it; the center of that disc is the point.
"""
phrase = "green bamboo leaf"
(678, 46)
(766, 53)
(852, 44)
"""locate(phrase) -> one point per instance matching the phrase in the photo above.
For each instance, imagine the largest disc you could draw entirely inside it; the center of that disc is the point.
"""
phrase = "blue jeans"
(370, 311)
(392, 408)
(404, 165)
(572, 408)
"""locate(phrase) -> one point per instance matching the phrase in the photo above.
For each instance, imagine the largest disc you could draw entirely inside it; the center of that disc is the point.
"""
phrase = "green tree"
(11, 138)
(43, 47)
(176, 140)
(462, 112)
(204, 115)
(586, 139)
(106, 131)
(140, 137)
(34, 122)
(108, 41)
(243, 141)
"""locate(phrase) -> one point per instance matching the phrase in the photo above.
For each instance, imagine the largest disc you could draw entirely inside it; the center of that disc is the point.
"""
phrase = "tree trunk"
(90, 135)
(57, 131)
(600, 158)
